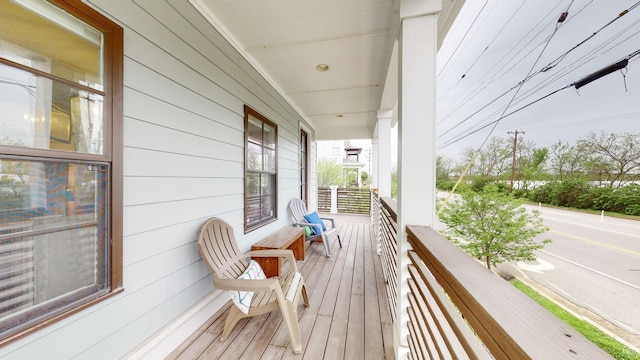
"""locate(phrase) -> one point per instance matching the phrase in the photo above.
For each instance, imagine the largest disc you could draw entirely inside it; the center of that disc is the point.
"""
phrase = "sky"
(495, 44)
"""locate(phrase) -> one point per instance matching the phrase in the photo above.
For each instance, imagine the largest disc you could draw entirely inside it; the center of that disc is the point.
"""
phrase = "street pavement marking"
(594, 270)
(591, 227)
(636, 253)
(537, 268)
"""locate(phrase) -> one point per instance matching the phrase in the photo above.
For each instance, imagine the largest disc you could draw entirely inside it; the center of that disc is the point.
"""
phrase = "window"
(60, 162)
(304, 160)
(260, 170)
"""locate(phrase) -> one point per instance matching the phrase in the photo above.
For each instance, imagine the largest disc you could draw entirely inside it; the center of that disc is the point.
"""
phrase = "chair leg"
(304, 296)
(291, 320)
(234, 316)
(325, 242)
(339, 241)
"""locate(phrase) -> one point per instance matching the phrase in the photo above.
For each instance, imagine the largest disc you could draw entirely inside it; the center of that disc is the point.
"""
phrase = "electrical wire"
(577, 84)
(463, 37)
(549, 66)
(495, 122)
(444, 94)
(498, 65)
(560, 20)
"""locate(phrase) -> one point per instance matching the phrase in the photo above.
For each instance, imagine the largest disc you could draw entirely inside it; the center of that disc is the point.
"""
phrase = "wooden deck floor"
(348, 316)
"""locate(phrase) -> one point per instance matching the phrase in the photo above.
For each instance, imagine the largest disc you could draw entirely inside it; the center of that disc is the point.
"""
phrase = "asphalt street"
(593, 262)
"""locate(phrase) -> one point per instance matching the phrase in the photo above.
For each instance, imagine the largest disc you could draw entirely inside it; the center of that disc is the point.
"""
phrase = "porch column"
(416, 138)
(384, 149)
(375, 156)
(334, 199)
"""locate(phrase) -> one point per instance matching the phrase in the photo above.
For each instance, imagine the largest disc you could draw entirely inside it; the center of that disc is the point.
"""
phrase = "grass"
(614, 348)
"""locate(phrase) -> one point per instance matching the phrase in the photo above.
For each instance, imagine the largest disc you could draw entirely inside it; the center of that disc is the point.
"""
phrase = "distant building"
(345, 154)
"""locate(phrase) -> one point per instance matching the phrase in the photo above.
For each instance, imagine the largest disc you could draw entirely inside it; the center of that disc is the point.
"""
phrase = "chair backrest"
(218, 247)
(298, 210)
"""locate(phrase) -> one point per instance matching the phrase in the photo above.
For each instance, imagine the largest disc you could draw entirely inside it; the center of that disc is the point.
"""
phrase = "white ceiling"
(286, 39)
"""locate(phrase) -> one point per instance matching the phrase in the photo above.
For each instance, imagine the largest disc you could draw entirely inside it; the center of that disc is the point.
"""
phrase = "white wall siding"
(185, 89)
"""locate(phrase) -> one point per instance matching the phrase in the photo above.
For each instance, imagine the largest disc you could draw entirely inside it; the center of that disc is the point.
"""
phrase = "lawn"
(616, 349)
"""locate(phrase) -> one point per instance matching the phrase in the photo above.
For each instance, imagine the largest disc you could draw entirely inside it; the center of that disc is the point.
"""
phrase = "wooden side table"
(291, 237)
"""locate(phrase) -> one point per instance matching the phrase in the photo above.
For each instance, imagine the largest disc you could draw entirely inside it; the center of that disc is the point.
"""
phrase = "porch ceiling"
(287, 39)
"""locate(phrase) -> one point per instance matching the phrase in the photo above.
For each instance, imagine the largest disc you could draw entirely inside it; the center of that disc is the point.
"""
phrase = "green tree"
(491, 226)
(612, 157)
(566, 161)
(493, 161)
(330, 173)
(394, 183)
(531, 167)
(364, 177)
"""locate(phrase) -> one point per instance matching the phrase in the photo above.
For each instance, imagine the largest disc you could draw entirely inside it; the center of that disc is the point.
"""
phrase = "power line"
(485, 49)
(463, 37)
(563, 16)
(577, 84)
(555, 62)
(460, 137)
(483, 84)
(549, 66)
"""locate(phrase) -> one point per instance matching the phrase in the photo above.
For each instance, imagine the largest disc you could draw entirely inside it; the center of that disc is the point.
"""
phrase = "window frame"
(249, 112)
(304, 165)
(113, 60)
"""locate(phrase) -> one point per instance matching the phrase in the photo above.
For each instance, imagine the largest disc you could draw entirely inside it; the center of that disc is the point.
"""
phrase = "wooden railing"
(324, 199)
(459, 309)
(354, 201)
(349, 200)
(386, 228)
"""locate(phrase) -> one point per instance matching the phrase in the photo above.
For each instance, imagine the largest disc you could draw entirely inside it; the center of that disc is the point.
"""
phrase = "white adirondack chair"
(299, 210)
(217, 246)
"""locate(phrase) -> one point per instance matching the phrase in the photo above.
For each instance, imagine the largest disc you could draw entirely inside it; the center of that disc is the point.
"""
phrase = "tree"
(531, 166)
(364, 177)
(493, 227)
(493, 161)
(330, 173)
(565, 161)
(444, 168)
(613, 157)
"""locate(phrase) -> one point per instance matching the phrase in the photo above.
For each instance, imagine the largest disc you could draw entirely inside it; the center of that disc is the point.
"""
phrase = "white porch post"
(384, 149)
(375, 156)
(334, 199)
(416, 138)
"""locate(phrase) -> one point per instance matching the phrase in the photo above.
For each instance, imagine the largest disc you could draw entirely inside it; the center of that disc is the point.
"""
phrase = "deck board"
(348, 316)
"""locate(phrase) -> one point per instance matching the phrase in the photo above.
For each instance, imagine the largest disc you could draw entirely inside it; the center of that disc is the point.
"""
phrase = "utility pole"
(513, 159)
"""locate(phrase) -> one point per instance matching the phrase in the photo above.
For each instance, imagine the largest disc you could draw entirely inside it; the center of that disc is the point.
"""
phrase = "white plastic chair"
(299, 210)
(217, 246)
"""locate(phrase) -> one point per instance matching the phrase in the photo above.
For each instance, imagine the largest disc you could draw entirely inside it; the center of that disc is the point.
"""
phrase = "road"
(593, 262)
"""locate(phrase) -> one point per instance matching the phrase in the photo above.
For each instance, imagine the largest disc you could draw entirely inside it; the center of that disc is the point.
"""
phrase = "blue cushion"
(314, 218)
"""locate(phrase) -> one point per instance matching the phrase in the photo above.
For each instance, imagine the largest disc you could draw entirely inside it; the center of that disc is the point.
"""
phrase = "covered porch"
(457, 309)
(348, 316)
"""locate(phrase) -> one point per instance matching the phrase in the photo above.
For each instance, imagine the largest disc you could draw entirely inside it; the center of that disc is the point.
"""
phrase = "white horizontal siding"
(184, 92)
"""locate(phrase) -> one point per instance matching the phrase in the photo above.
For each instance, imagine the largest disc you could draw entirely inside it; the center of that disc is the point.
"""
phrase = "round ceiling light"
(322, 67)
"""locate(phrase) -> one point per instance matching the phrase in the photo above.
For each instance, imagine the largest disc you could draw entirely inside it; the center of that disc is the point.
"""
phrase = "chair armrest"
(317, 226)
(246, 284)
(286, 253)
(333, 224)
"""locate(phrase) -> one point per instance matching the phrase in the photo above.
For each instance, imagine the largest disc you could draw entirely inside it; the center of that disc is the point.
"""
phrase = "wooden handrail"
(509, 324)
(391, 206)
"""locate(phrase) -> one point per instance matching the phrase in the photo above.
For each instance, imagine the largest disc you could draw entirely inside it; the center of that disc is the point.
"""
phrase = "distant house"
(346, 155)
